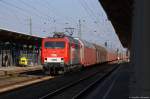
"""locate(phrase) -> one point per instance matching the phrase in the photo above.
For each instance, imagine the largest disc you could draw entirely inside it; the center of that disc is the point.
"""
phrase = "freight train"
(62, 53)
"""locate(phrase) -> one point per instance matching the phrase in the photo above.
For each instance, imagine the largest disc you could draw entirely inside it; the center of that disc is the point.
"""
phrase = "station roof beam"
(120, 13)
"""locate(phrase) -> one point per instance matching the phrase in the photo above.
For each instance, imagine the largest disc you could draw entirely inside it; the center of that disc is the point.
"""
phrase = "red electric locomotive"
(60, 53)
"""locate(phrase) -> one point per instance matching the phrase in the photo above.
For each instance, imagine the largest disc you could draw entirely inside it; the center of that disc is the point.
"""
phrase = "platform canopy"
(18, 38)
(120, 13)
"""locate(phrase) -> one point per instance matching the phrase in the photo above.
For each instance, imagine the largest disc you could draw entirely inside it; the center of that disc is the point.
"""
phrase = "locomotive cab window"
(52, 44)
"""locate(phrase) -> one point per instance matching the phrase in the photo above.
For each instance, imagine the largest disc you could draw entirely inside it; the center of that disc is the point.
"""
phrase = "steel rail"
(62, 89)
(86, 90)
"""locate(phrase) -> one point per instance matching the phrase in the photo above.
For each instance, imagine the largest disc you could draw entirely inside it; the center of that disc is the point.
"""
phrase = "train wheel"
(49, 71)
(66, 69)
(62, 71)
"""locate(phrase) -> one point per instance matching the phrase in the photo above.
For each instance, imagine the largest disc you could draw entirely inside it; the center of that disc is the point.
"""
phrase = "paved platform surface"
(16, 69)
(120, 87)
(117, 86)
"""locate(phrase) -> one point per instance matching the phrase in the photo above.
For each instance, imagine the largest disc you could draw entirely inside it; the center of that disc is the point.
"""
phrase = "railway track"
(78, 88)
(101, 82)
(43, 88)
(13, 82)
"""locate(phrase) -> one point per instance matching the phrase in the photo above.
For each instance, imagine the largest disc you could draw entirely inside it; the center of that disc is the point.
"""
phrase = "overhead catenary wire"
(49, 6)
(12, 12)
(25, 11)
(92, 12)
(94, 17)
(93, 7)
(83, 5)
(36, 10)
(86, 10)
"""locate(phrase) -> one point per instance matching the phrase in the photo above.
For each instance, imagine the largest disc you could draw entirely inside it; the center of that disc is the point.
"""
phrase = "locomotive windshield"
(52, 44)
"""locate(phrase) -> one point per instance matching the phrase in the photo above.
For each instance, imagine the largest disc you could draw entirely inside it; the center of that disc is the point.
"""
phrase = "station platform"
(18, 69)
(117, 86)
(120, 84)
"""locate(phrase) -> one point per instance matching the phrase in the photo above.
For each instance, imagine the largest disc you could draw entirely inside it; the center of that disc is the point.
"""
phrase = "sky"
(48, 16)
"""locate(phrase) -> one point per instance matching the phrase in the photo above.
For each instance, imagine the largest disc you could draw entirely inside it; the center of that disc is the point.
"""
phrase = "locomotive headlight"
(62, 59)
(45, 59)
